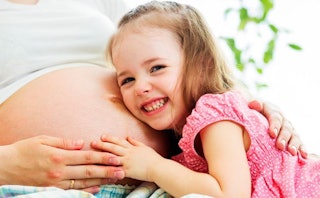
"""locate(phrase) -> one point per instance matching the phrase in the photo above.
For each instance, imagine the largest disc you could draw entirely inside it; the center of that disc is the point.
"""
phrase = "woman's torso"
(53, 33)
(73, 103)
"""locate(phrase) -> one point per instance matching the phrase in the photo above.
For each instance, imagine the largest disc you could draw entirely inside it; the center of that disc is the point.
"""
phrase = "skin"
(24, 124)
(61, 152)
(136, 72)
(46, 116)
(54, 109)
(149, 64)
(281, 127)
(49, 128)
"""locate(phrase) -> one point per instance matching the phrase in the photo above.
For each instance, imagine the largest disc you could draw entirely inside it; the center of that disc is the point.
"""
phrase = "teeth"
(154, 105)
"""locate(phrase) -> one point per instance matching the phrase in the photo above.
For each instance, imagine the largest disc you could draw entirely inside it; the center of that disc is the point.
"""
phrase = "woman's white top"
(53, 34)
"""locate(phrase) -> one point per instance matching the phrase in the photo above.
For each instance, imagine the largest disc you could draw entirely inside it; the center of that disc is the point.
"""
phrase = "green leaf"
(243, 13)
(261, 86)
(240, 67)
(258, 19)
(244, 18)
(251, 60)
(227, 11)
(259, 70)
(237, 53)
(268, 54)
(267, 5)
(273, 28)
(294, 46)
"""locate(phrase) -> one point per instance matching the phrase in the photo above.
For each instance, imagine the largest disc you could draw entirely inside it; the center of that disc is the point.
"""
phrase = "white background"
(293, 77)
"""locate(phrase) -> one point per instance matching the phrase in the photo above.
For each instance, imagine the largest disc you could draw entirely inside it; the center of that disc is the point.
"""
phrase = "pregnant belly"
(73, 103)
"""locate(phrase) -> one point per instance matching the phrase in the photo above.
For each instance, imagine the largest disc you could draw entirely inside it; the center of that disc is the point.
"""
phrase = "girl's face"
(149, 67)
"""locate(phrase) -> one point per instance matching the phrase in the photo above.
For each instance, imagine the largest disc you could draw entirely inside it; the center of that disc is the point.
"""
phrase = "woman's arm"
(280, 128)
(50, 161)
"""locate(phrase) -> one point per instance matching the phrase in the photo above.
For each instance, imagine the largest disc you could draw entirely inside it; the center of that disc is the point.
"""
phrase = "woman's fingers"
(82, 165)
(303, 151)
(280, 128)
(74, 156)
(273, 115)
(62, 143)
(79, 157)
(256, 105)
(88, 185)
(53, 166)
(93, 172)
(289, 139)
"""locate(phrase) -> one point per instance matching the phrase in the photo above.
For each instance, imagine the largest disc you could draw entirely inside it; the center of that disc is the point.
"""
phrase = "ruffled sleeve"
(209, 109)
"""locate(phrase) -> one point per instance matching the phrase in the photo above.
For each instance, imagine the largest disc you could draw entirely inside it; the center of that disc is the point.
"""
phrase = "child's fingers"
(115, 140)
(109, 147)
(134, 142)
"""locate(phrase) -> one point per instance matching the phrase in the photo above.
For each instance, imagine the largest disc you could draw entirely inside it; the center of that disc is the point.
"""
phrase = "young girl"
(172, 76)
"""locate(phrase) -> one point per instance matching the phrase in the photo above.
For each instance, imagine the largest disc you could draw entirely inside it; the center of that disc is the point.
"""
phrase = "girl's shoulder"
(215, 107)
(234, 99)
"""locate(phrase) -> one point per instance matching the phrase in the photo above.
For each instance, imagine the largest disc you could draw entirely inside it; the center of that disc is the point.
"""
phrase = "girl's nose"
(142, 87)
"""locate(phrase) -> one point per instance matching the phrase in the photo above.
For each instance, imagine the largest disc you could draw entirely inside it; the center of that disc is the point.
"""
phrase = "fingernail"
(294, 148)
(110, 181)
(283, 142)
(119, 174)
(104, 137)
(303, 151)
(114, 160)
(275, 130)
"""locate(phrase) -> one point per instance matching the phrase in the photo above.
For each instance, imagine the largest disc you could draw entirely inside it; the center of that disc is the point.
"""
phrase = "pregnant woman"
(57, 95)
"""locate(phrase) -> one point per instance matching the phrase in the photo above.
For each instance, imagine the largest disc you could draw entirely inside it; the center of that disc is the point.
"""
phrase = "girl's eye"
(126, 80)
(156, 68)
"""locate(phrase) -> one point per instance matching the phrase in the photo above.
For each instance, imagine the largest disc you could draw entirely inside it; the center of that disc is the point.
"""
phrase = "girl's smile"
(157, 104)
(149, 64)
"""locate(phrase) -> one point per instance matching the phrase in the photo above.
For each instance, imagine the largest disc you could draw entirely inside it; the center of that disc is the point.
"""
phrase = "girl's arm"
(224, 146)
(229, 171)
(143, 163)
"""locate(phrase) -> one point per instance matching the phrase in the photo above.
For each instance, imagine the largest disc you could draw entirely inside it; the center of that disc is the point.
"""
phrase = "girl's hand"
(280, 128)
(136, 158)
(50, 161)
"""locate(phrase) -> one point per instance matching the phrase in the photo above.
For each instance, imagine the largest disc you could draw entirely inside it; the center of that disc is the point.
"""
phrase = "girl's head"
(203, 68)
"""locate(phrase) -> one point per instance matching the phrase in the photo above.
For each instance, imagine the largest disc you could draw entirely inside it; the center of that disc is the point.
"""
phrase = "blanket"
(146, 189)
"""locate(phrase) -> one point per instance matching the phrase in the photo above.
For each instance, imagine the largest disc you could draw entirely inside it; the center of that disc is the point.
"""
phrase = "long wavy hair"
(205, 68)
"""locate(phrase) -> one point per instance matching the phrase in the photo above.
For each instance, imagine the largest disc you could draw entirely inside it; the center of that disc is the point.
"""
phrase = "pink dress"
(274, 173)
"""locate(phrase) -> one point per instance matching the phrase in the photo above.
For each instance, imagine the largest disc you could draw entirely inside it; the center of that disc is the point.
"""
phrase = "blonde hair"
(205, 69)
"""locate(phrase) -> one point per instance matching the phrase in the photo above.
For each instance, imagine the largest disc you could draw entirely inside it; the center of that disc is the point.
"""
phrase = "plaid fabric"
(148, 189)
(114, 191)
(145, 190)
(40, 192)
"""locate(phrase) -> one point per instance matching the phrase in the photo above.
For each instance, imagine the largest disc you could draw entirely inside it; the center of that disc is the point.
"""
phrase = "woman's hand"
(50, 161)
(280, 128)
